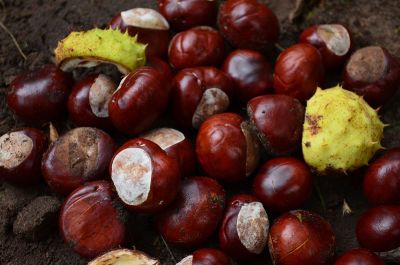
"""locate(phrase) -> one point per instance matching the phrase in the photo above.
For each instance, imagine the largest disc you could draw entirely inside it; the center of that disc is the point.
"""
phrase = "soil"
(37, 26)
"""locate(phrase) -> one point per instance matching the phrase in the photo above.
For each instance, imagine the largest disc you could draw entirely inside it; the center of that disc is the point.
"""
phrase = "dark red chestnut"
(145, 177)
(299, 70)
(244, 229)
(195, 213)
(200, 46)
(374, 73)
(248, 24)
(40, 95)
(206, 256)
(359, 257)
(88, 101)
(332, 40)
(226, 148)
(251, 73)
(161, 66)
(199, 93)
(283, 184)
(80, 155)
(148, 25)
(278, 121)
(301, 238)
(21, 155)
(91, 221)
(140, 99)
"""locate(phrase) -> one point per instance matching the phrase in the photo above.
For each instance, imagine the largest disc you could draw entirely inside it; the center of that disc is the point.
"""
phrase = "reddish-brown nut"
(148, 25)
(21, 154)
(278, 121)
(244, 230)
(299, 70)
(248, 24)
(301, 238)
(195, 213)
(226, 148)
(199, 93)
(140, 99)
(91, 221)
(88, 101)
(251, 73)
(80, 155)
(40, 95)
(374, 73)
(161, 66)
(332, 40)
(283, 184)
(206, 256)
(200, 46)
(359, 257)
(145, 177)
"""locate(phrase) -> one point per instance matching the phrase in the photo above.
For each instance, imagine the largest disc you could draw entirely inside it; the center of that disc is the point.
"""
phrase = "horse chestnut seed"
(124, 257)
(206, 256)
(359, 257)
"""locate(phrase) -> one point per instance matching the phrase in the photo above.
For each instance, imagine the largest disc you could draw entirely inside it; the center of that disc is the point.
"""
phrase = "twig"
(13, 39)
(169, 250)
(279, 47)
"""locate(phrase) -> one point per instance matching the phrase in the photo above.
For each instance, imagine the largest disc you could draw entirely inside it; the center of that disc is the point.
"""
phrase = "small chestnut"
(374, 73)
(124, 257)
(80, 155)
(21, 154)
(91, 221)
(195, 214)
(359, 257)
(226, 148)
(244, 230)
(301, 238)
(299, 70)
(206, 256)
(200, 46)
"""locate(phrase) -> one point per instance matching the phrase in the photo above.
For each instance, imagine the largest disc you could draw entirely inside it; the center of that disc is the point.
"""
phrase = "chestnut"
(244, 230)
(374, 73)
(40, 95)
(176, 145)
(206, 256)
(200, 46)
(186, 14)
(278, 121)
(248, 24)
(299, 70)
(124, 256)
(195, 213)
(145, 177)
(301, 238)
(359, 257)
(88, 101)
(140, 99)
(251, 73)
(226, 148)
(148, 25)
(161, 66)
(21, 153)
(80, 155)
(283, 184)
(91, 221)
(332, 40)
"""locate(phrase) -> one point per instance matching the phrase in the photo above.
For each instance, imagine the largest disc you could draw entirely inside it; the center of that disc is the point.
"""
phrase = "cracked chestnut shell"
(206, 256)
(359, 257)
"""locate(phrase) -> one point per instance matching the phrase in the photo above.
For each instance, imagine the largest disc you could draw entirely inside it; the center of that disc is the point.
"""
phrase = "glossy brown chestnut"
(299, 70)
(148, 25)
(283, 184)
(145, 177)
(199, 93)
(206, 256)
(374, 73)
(226, 148)
(80, 155)
(140, 99)
(278, 121)
(91, 221)
(251, 73)
(195, 213)
(200, 46)
(88, 101)
(40, 95)
(244, 230)
(333, 41)
(161, 66)
(248, 24)
(359, 257)
(21, 154)
(301, 238)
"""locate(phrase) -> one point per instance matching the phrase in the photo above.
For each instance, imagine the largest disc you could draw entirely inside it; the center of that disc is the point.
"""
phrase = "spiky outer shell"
(89, 48)
(341, 132)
